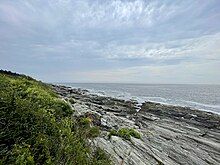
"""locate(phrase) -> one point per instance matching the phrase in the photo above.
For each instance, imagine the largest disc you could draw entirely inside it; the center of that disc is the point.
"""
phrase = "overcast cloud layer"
(132, 41)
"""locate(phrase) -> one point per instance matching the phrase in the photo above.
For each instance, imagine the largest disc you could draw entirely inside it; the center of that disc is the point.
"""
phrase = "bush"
(94, 132)
(37, 128)
(134, 133)
(85, 122)
(113, 132)
(72, 101)
(101, 158)
(125, 133)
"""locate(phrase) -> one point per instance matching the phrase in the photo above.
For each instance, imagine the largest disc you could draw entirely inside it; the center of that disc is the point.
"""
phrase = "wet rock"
(196, 117)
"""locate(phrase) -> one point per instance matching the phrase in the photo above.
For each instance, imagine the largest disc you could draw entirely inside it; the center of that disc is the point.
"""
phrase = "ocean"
(202, 97)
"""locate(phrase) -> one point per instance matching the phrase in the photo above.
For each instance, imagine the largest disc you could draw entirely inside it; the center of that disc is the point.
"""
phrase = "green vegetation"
(94, 132)
(72, 101)
(37, 128)
(125, 133)
(134, 133)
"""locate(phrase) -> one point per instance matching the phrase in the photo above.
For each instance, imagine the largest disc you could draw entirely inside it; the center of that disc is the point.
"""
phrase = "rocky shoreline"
(169, 134)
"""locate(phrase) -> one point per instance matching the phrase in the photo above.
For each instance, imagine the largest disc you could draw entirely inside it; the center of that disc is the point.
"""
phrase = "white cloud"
(113, 14)
(111, 39)
(203, 47)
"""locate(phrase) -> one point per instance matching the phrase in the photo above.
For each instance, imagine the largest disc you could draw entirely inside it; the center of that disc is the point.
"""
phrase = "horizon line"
(133, 83)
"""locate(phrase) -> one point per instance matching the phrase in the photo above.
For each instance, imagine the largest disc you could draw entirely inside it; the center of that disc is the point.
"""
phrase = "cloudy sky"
(130, 41)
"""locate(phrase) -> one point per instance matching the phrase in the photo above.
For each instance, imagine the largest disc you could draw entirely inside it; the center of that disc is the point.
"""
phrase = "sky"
(112, 41)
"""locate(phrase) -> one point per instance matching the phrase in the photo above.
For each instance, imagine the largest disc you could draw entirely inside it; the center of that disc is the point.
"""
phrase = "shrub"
(85, 122)
(101, 158)
(94, 132)
(134, 133)
(113, 132)
(72, 101)
(37, 128)
(23, 154)
(125, 133)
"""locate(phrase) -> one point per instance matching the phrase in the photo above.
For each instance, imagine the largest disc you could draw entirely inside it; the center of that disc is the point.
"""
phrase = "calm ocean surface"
(203, 97)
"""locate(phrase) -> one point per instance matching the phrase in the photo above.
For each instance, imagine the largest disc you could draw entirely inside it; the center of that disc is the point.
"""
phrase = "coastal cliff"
(150, 133)
(52, 124)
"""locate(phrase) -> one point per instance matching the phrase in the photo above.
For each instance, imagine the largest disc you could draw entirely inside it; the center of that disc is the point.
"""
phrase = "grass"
(37, 128)
(125, 133)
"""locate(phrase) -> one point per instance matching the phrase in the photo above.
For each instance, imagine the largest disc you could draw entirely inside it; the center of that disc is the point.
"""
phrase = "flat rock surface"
(169, 134)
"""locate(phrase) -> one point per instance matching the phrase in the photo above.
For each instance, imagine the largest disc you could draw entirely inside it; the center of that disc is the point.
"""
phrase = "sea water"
(202, 97)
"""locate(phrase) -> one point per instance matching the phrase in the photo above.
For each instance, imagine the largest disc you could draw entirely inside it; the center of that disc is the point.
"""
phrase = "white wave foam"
(166, 101)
